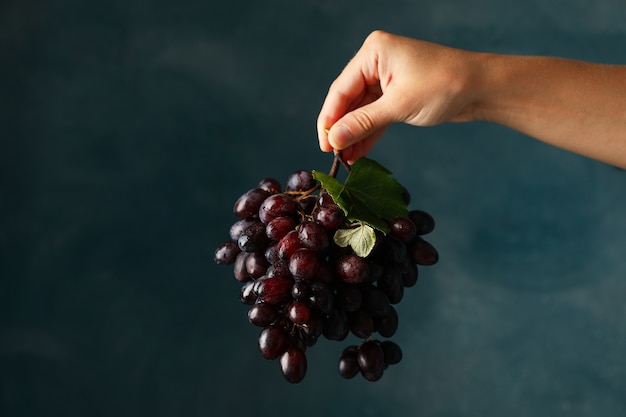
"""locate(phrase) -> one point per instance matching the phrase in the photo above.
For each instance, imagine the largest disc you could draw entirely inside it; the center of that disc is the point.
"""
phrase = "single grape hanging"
(318, 258)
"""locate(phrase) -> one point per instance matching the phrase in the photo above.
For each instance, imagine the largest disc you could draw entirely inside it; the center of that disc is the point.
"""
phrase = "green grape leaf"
(361, 239)
(370, 194)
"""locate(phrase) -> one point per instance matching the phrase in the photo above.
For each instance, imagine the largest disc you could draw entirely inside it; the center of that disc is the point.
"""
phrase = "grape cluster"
(300, 285)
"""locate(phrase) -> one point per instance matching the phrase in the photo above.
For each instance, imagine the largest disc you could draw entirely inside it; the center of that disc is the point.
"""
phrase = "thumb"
(359, 124)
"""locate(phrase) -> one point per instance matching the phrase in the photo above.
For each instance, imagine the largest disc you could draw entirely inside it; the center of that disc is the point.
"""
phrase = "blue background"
(130, 127)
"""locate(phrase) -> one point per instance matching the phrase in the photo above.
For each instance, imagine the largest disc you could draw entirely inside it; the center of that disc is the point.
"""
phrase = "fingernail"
(340, 137)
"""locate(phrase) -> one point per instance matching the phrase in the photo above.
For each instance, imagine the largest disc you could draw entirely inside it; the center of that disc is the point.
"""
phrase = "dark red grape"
(293, 364)
(279, 227)
(352, 269)
(239, 268)
(288, 245)
(226, 253)
(279, 205)
(303, 264)
(348, 363)
(313, 328)
(301, 181)
(298, 312)
(262, 314)
(271, 185)
(370, 357)
(239, 226)
(403, 228)
(275, 290)
(300, 290)
(278, 269)
(248, 204)
(313, 236)
(271, 253)
(331, 217)
(272, 342)
(256, 264)
(253, 238)
(325, 199)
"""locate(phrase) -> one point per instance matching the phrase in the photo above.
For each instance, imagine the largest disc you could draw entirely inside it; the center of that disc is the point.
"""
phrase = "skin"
(575, 105)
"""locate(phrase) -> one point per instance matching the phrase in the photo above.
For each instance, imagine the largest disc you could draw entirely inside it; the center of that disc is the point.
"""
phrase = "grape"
(271, 185)
(293, 364)
(278, 205)
(325, 199)
(306, 205)
(288, 245)
(300, 291)
(239, 226)
(271, 254)
(403, 228)
(303, 264)
(313, 236)
(262, 314)
(348, 363)
(275, 290)
(272, 342)
(226, 253)
(299, 284)
(352, 269)
(301, 181)
(248, 204)
(278, 269)
(239, 269)
(256, 264)
(279, 227)
(313, 328)
(253, 238)
(331, 217)
(370, 357)
(299, 312)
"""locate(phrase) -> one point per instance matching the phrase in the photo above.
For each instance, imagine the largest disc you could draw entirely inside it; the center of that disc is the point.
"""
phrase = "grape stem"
(338, 160)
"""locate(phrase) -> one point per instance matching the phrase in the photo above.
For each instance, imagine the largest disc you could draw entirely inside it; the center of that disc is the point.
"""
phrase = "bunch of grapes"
(301, 286)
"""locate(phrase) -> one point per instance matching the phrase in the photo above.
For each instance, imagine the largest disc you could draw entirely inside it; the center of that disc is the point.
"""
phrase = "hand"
(394, 79)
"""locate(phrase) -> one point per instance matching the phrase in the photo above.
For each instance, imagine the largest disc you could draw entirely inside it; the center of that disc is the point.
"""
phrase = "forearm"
(574, 105)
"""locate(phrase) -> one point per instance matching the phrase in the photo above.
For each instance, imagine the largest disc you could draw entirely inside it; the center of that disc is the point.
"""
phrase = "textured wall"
(130, 127)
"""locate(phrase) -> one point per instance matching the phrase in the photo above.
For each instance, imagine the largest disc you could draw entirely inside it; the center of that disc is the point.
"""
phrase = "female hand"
(394, 79)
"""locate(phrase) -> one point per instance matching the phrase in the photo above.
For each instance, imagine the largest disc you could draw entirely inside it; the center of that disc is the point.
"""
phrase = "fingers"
(353, 114)
(341, 98)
